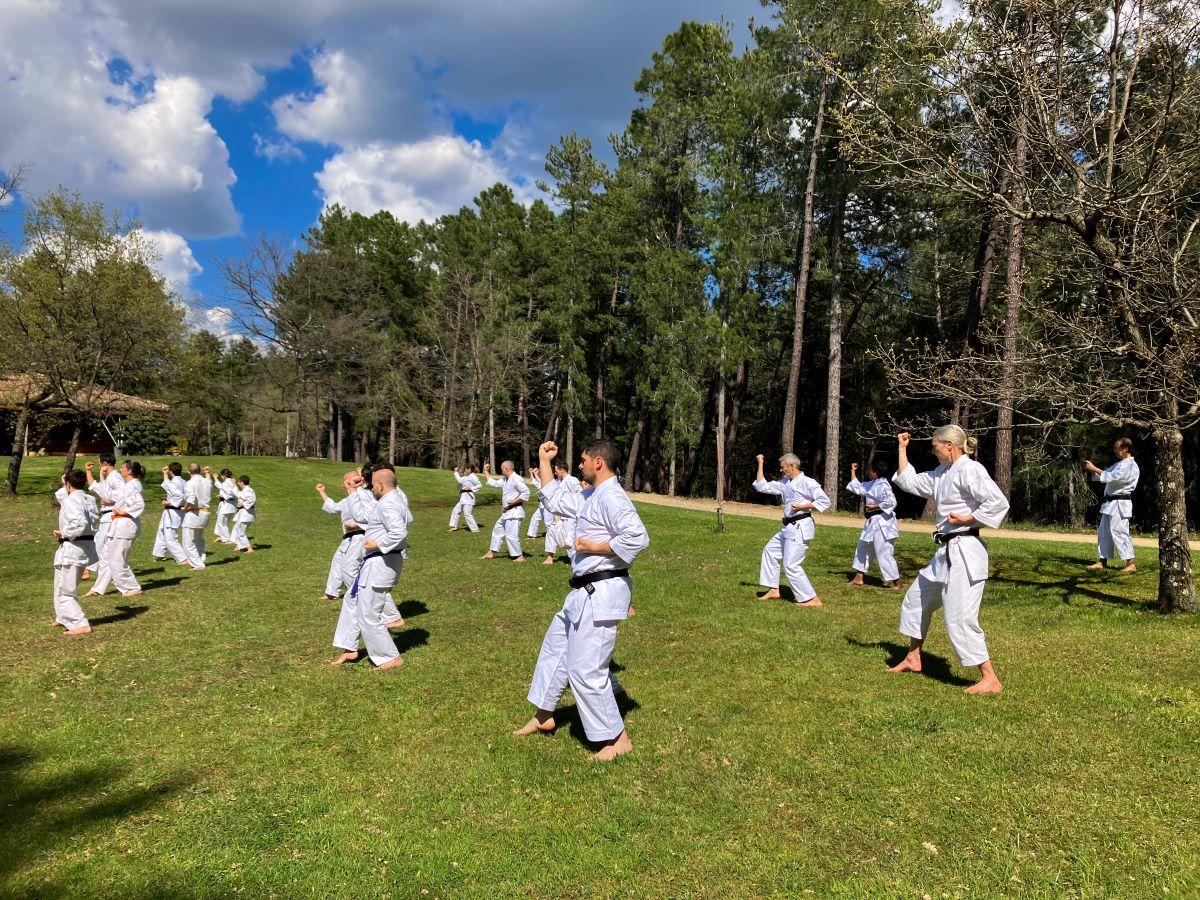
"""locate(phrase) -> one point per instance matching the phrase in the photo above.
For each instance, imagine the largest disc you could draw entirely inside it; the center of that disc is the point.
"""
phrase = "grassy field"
(196, 745)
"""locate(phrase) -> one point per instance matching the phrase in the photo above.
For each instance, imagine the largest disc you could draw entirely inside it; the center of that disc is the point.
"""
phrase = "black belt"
(944, 538)
(354, 532)
(871, 513)
(466, 491)
(798, 517)
(1118, 496)
(169, 506)
(376, 554)
(82, 537)
(585, 581)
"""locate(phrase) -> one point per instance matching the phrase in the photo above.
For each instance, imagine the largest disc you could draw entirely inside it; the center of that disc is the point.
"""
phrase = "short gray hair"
(789, 459)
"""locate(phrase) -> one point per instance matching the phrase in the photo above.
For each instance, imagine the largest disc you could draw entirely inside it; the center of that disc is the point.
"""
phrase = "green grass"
(195, 744)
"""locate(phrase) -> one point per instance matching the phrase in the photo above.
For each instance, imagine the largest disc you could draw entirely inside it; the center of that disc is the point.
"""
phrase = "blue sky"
(213, 122)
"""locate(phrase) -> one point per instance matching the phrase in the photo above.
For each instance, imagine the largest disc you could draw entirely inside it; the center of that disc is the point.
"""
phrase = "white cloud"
(413, 181)
(176, 263)
(281, 150)
(338, 113)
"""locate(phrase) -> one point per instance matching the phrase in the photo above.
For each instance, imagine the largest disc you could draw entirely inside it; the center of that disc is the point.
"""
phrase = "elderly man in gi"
(880, 531)
(106, 488)
(800, 495)
(507, 529)
(966, 498)
(365, 604)
(197, 505)
(578, 647)
(76, 533)
(341, 573)
(468, 484)
(166, 539)
(1120, 480)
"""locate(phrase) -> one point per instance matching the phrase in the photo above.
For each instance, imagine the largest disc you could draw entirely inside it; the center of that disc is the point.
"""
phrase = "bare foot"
(548, 561)
(348, 656)
(815, 601)
(488, 555)
(91, 594)
(772, 594)
(614, 749)
(910, 663)
(1096, 565)
(330, 597)
(86, 576)
(197, 568)
(519, 559)
(895, 585)
(58, 624)
(391, 664)
(131, 593)
(160, 559)
(632, 612)
(454, 529)
(857, 580)
(539, 724)
(249, 550)
(399, 623)
(1129, 569)
(990, 685)
(84, 629)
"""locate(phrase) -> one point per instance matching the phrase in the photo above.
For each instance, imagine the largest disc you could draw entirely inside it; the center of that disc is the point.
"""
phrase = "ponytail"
(959, 438)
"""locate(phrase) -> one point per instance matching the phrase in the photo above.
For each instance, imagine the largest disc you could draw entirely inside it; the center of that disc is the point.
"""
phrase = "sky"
(214, 122)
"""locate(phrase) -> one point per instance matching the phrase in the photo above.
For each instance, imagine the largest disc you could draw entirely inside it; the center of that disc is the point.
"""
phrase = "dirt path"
(845, 520)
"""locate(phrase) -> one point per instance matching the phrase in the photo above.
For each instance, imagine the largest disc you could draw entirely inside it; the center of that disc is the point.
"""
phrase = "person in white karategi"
(197, 500)
(878, 536)
(468, 484)
(78, 519)
(247, 512)
(578, 647)
(364, 606)
(800, 496)
(366, 502)
(352, 535)
(560, 525)
(539, 513)
(507, 529)
(126, 526)
(227, 491)
(966, 498)
(166, 539)
(106, 488)
(1120, 480)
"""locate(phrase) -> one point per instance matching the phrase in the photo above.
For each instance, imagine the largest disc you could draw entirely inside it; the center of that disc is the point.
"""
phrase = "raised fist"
(760, 459)
(320, 489)
(853, 468)
(903, 438)
(548, 450)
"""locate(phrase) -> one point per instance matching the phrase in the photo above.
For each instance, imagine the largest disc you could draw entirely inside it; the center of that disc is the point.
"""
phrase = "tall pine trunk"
(788, 434)
(1176, 587)
(636, 446)
(18, 452)
(833, 393)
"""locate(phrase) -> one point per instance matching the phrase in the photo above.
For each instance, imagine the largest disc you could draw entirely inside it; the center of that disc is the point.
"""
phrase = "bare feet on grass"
(1129, 569)
(771, 594)
(548, 561)
(541, 723)
(910, 663)
(348, 656)
(988, 685)
(398, 623)
(391, 664)
(519, 559)
(83, 629)
(488, 555)
(1096, 565)
(856, 581)
(815, 601)
(895, 585)
(612, 749)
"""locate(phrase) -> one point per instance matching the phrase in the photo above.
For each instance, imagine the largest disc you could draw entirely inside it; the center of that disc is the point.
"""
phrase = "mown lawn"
(196, 745)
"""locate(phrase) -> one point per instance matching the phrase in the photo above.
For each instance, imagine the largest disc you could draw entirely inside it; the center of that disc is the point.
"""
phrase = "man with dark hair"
(77, 521)
(166, 540)
(227, 491)
(197, 503)
(106, 488)
(247, 506)
(1120, 480)
(578, 647)
(468, 484)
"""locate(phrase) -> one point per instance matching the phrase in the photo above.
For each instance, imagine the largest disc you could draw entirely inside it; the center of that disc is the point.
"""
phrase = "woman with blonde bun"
(967, 498)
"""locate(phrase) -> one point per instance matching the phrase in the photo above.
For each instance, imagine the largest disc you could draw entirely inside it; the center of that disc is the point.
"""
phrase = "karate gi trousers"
(224, 521)
(534, 521)
(1112, 538)
(166, 539)
(194, 543)
(959, 597)
(880, 549)
(466, 507)
(790, 546)
(577, 652)
(117, 570)
(507, 531)
(364, 609)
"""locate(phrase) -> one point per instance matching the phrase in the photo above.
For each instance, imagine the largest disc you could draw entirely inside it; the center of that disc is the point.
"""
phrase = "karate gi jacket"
(880, 492)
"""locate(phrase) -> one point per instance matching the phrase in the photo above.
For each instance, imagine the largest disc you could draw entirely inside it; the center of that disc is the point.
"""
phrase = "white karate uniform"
(365, 606)
(122, 532)
(365, 504)
(508, 527)
(227, 490)
(166, 539)
(348, 555)
(199, 501)
(880, 530)
(247, 501)
(561, 514)
(78, 519)
(1112, 539)
(790, 544)
(955, 577)
(467, 486)
(107, 488)
(579, 643)
(539, 514)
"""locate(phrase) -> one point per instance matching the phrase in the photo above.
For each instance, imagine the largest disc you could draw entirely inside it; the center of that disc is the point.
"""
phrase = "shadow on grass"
(162, 583)
(785, 590)
(932, 665)
(150, 571)
(411, 608)
(123, 614)
(48, 813)
(1078, 584)
(258, 547)
(411, 639)
(220, 562)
